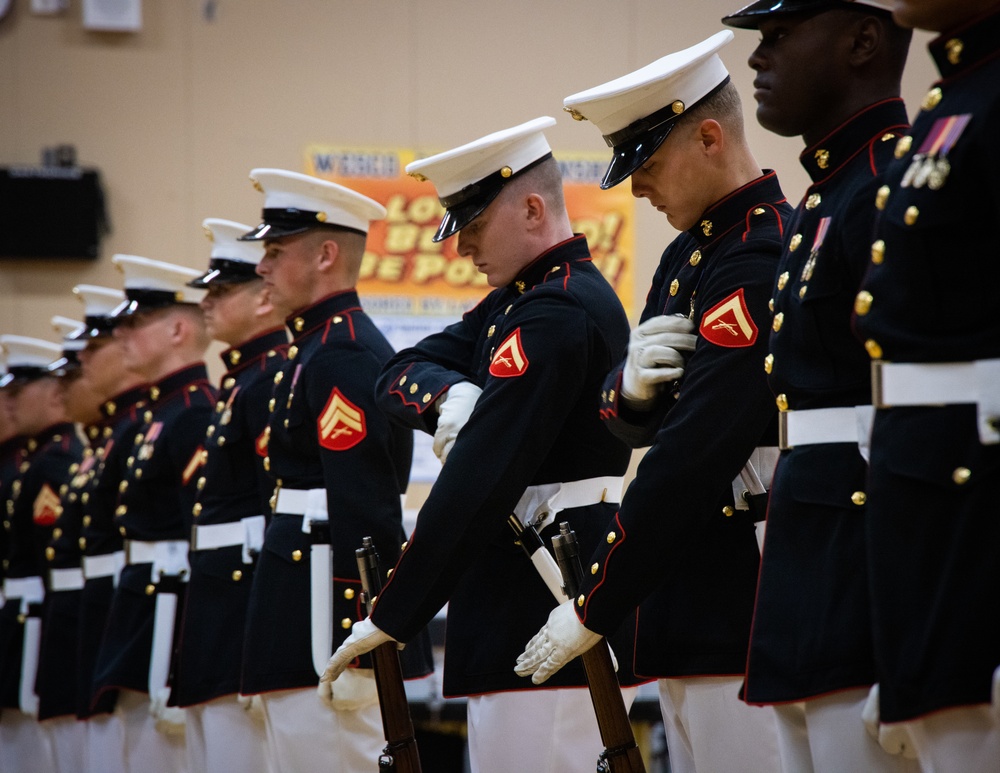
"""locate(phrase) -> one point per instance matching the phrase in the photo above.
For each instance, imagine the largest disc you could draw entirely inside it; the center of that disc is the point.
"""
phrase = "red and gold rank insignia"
(729, 324)
(341, 425)
(262, 440)
(509, 360)
(198, 459)
(47, 507)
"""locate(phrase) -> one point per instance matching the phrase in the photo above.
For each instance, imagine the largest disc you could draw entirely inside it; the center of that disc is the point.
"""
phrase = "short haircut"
(723, 106)
(545, 179)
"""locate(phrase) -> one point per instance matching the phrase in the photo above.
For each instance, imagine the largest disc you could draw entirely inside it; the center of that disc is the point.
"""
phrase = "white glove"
(560, 640)
(353, 690)
(365, 636)
(895, 738)
(253, 705)
(170, 720)
(454, 408)
(654, 357)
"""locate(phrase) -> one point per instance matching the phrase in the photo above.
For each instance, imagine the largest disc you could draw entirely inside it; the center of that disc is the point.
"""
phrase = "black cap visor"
(138, 301)
(751, 16)
(225, 271)
(630, 155)
(22, 374)
(289, 222)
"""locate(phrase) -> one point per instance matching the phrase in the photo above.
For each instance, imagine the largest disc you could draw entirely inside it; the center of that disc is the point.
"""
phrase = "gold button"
(402, 381)
(878, 252)
(270, 405)
(611, 395)
(489, 334)
(796, 240)
(759, 211)
(768, 363)
(267, 463)
(961, 475)
(404, 546)
(782, 280)
(873, 349)
(196, 510)
(210, 430)
(594, 567)
(859, 498)
(57, 533)
(674, 287)
(296, 555)
(154, 393)
(50, 553)
(349, 593)
(122, 486)
(150, 589)
(346, 623)
(863, 303)
(298, 323)
(782, 402)
(426, 398)
(82, 542)
(580, 600)
(237, 575)
(21, 618)
(813, 201)
(612, 537)
(882, 196)
(413, 389)
(121, 510)
(932, 99)
(770, 305)
(293, 352)
(201, 483)
(695, 258)
(727, 511)
(903, 146)
(779, 319)
(337, 320)
(802, 291)
(278, 376)
(911, 215)
(121, 530)
(235, 356)
(86, 520)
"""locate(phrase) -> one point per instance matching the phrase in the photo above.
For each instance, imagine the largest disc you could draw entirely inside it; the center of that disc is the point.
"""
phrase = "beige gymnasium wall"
(175, 116)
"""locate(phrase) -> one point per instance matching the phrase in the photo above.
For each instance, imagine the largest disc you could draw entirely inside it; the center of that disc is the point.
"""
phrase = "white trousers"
(710, 730)
(24, 746)
(305, 736)
(966, 739)
(68, 738)
(542, 731)
(147, 750)
(105, 744)
(826, 735)
(222, 735)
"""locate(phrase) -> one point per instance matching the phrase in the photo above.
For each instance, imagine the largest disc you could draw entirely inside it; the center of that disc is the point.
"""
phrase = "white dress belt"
(65, 579)
(168, 557)
(31, 590)
(901, 384)
(248, 533)
(851, 424)
(107, 565)
(539, 505)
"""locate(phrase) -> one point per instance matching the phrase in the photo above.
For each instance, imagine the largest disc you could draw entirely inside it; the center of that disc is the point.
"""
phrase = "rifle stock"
(621, 754)
(400, 753)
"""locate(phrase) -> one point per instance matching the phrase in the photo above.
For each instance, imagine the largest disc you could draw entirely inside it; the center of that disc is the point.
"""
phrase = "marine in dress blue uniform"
(231, 508)
(818, 671)
(29, 519)
(155, 501)
(334, 458)
(681, 553)
(534, 351)
(933, 334)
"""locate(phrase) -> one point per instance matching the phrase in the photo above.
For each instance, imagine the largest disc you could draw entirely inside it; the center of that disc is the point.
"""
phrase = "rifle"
(400, 753)
(621, 754)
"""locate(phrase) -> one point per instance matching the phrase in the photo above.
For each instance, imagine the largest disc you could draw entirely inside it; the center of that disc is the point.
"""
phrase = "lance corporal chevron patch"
(509, 360)
(728, 323)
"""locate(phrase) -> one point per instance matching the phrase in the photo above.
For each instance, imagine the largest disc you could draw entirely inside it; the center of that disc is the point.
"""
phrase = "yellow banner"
(405, 272)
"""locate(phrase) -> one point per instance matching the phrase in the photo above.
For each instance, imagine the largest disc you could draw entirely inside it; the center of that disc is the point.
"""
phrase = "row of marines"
(859, 638)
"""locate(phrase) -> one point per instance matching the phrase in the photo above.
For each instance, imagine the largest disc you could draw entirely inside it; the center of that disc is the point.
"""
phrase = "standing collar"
(825, 158)
(732, 210)
(308, 319)
(572, 249)
(238, 357)
(123, 401)
(957, 51)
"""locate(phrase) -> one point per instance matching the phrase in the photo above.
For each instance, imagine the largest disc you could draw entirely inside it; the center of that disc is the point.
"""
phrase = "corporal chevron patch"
(341, 424)
(47, 507)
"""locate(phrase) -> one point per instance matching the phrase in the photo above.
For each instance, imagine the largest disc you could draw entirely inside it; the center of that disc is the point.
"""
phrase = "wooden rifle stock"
(621, 754)
(400, 753)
